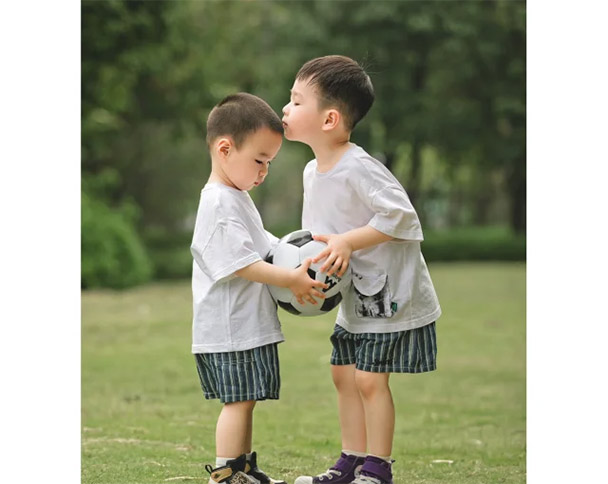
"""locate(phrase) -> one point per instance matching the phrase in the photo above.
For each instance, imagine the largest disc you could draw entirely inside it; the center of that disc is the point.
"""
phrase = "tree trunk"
(390, 160)
(517, 195)
(413, 183)
(483, 194)
(480, 209)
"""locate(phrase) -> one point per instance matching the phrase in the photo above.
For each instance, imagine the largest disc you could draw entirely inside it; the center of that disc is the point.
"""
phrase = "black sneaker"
(232, 473)
(257, 474)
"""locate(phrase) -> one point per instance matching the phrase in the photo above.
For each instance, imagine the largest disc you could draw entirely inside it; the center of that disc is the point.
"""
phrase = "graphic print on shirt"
(374, 305)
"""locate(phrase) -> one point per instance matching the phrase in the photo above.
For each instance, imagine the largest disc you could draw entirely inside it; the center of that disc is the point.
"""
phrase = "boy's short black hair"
(342, 82)
(240, 115)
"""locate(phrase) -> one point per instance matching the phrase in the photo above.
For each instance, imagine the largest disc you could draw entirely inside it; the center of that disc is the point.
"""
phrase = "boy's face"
(302, 118)
(247, 167)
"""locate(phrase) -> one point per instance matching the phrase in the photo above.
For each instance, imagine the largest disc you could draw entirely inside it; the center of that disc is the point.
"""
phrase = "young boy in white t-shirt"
(386, 321)
(235, 326)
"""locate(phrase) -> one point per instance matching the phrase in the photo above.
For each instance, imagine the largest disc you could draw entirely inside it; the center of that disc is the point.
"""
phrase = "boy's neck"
(216, 175)
(327, 156)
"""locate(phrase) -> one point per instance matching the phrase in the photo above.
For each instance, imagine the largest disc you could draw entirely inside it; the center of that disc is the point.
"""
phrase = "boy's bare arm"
(297, 280)
(341, 246)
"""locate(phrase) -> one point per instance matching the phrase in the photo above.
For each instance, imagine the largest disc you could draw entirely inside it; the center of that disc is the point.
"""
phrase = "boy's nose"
(285, 108)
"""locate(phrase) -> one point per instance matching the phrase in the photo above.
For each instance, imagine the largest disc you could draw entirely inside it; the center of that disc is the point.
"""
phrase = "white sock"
(248, 456)
(221, 461)
(352, 452)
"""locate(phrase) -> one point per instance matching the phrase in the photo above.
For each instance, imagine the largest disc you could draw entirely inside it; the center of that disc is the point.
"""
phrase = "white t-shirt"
(230, 313)
(392, 288)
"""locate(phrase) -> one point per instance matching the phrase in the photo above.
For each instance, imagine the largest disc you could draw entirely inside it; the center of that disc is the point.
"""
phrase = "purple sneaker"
(375, 471)
(344, 471)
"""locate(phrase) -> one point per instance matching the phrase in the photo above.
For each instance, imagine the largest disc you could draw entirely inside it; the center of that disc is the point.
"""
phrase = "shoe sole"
(303, 480)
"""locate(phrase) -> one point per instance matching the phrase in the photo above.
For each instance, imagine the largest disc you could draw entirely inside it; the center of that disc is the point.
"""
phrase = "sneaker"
(259, 476)
(344, 471)
(375, 471)
(232, 473)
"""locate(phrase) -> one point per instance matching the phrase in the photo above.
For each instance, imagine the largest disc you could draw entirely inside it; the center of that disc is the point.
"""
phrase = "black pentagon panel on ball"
(301, 240)
(269, 258)
(288, 307)
(312, 274)
(331, 302)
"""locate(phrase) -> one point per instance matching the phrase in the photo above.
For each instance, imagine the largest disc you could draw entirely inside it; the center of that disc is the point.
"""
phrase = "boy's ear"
(332, 119)
(223, 147)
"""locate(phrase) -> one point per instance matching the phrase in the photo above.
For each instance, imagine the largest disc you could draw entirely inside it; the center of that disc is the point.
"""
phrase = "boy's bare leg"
(350, 407)
(233, 433)
(379, 411)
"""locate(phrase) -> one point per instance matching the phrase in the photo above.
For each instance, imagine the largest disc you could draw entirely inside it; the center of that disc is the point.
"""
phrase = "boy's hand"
(338, 253)
(303, 286)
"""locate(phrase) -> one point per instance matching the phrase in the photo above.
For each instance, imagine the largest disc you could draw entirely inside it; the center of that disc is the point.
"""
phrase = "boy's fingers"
(320, 284)
(306, 263)
(343, 269)
(321, 237)
(321, 255)
(330, 260)
(319, 294)
(336, 265)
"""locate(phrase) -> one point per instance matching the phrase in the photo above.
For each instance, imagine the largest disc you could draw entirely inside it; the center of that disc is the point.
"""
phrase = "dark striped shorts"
(239, 376)
(411, 351)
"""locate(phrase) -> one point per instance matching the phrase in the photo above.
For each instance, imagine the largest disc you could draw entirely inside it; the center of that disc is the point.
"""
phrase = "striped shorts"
(239, 376)
(411, 351)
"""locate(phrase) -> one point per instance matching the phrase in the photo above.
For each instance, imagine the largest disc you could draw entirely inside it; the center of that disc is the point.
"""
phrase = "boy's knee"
(343, 376)
(371, 384)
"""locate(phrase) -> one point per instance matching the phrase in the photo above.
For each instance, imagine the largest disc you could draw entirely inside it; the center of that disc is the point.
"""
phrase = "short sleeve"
(395, 214)
(272, 239)
(228, 249)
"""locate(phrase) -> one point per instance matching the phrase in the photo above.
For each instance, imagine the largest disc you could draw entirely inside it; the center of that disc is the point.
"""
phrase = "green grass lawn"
(144, 419)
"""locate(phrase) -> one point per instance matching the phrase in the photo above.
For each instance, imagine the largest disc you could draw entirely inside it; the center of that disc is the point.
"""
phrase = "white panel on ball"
(290, 252)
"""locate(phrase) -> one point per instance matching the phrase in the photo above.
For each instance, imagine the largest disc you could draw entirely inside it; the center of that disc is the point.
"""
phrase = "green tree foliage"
(112, 254)
(478, 99)
(448, 75)
(449, 119)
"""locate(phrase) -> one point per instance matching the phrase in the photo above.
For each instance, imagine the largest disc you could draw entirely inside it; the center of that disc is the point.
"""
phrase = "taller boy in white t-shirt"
(235, 326)
(386, 321)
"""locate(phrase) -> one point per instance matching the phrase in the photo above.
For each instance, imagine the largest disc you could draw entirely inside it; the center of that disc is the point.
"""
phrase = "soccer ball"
(291, 251)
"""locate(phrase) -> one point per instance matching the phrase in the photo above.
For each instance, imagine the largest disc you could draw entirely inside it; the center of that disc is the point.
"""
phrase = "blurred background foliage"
(449, 118)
